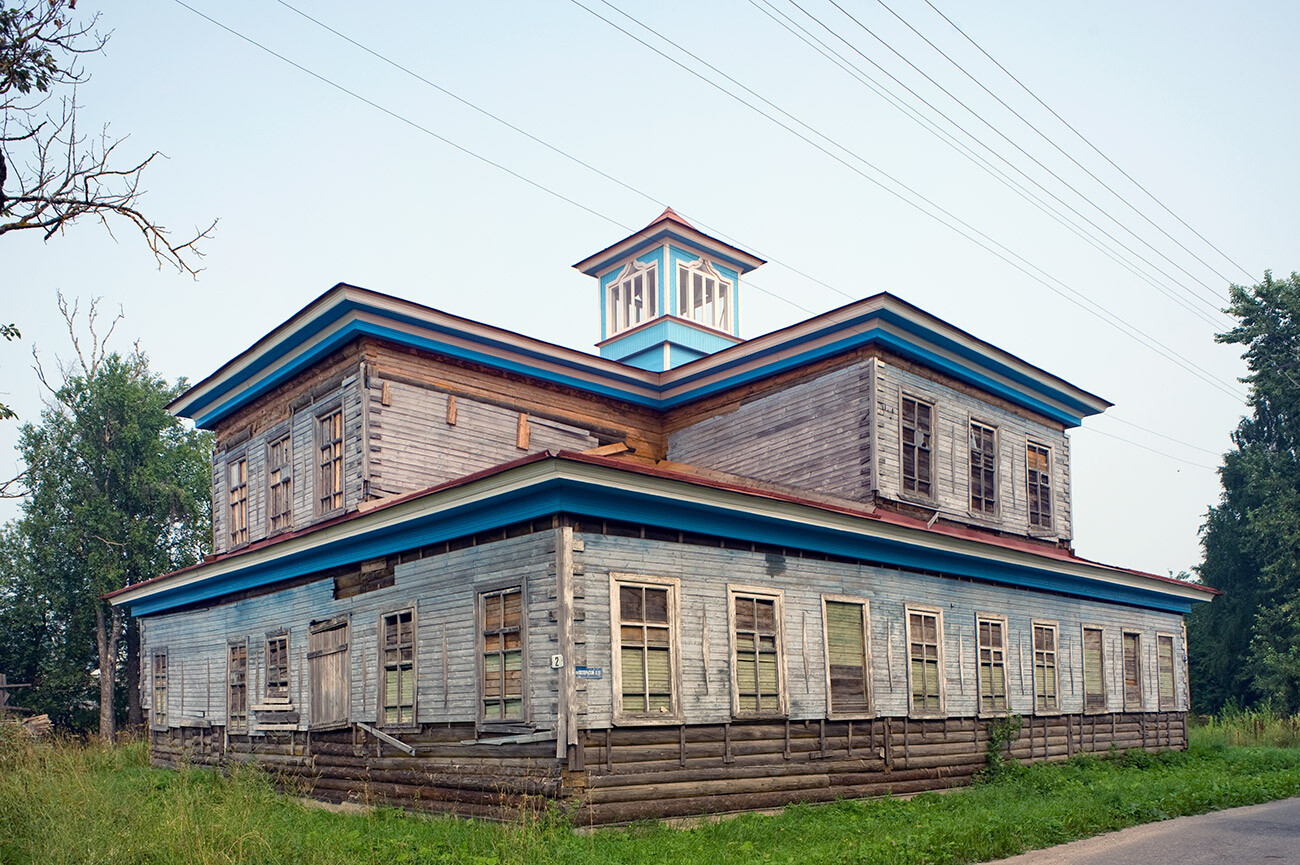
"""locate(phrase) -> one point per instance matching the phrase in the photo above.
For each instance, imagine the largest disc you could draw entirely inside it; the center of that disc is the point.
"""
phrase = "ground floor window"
(237, 688)
(847, 673)
(1132, 673)
(1046, 695)
(646, 662)
(1165, 672)
(992, 665)
(158, 711)
(398, 672)
(756, 653)
(925, 670)
(1094, 673)
(502, 651)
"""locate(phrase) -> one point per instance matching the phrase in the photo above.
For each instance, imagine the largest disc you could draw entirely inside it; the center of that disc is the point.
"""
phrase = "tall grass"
(68, 802)
(1238, 727)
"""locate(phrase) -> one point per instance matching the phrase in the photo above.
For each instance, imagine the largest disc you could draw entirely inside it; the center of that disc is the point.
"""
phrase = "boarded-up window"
(846, 656)
(237, 472)
(1165, 672)
(158, 712)
(1039, 486)
(923, 635)
(916, 439)
(756, 641)
(277, 668)
(992, 665)
(327, 661)
(398, 673)
(1132, 673)
(1046, 694)
(1094, 671)
(646, 649)
(279, 485)
(632, 297)
(983, 469)
(329, 471)
(503, 654)
(237, 688)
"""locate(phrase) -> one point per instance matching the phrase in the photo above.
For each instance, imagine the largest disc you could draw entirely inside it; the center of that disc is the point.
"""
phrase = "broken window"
(983, 469)
(237, 472)
(397, 676)
(279, 485)
(277, 668)
(917, 443)
(503, 654)
(1094, 673)
(924, 631)
(756, 650)
(1046, 694)
(1039, 481)
(846, 656)
(1165, 672)
(1132, 673)
(158, 711)
(992, 665)
(645, 613)
(237, 688)
(329, 478)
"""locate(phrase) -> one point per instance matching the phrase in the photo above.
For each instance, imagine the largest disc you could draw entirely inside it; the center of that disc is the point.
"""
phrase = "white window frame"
(979, 666)
(764, 592)
(673, 585)
(1055, 627)
(724, 287)
(908, 610)
(618, 307)
(870, 712)
(1083, 669)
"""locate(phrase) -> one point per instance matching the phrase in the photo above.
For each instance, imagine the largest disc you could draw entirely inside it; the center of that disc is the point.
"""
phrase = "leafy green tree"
(120, 491)
(1246, 645)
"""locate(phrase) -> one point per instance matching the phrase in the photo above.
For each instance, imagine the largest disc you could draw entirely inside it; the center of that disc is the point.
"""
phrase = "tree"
(1246, 645)
(51, 172)
(120, 492)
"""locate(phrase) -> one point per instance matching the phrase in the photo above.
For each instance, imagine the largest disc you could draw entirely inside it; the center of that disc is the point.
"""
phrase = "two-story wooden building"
(455, 566)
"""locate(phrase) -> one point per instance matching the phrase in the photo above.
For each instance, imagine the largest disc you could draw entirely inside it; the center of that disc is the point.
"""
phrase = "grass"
(1237, 727)
(73, 803)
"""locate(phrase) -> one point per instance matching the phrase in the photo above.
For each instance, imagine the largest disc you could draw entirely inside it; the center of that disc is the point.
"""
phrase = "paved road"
(1254, 835)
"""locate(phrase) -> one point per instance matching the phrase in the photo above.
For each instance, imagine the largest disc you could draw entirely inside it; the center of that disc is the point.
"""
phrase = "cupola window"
(702, 295)
(632, 297)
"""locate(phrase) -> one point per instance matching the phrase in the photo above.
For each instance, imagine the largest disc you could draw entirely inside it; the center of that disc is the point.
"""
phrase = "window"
(1046, 694)
(632, 297)
(1132, 673)
(846, 655)
(397, 676)
(1094, 671)
(646, 659)
(237, 472)
(329, 480)
(992, 636)
(1165, 672)
(503, 654)
(703, 295)
(917, 465)
(983, 469)
(277, 668)
(328, 673)
(1039, 480)
(237, 688)
(158, 712)
(756, 653)
(279, 485)
(924, 632)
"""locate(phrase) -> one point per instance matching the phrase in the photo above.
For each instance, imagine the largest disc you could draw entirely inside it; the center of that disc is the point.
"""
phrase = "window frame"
(480, 648)
(155, 654)
(319, 626)
(287, 699)
(868, 685)
(245, 726)
(1173, 673)
(233, 459)
(1139, 705)
(1037, 527)
(996, 511)
(626, 276)
(724, 288)
(735, 590)
(1084, 627)
(1000, 619)
(673, 584)
(283, 434)
(926, 498)
(319, 419)
(1055, 627)
(382, 673)
(937, 612)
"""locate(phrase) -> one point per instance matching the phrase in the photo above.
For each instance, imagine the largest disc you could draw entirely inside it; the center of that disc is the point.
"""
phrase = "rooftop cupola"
(668, 294)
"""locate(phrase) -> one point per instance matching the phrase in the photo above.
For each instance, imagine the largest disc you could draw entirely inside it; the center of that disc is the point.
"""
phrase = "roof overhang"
(346, 312)
(599, 487)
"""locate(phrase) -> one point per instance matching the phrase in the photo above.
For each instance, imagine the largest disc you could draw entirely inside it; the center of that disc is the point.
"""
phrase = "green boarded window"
(846, 656)
(398, 648)
(237, 688)
(645, 647)
(1046, 693)
(923, 634)
(1165, 672)
(1094, 675)
(993, 665)
(503, 654)
(1132, 673)
(757, 641)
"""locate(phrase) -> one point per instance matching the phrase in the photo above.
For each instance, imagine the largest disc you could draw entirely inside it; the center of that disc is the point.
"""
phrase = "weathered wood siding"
(705, 573)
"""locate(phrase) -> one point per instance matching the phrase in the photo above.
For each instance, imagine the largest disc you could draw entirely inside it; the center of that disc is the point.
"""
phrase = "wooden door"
(327, 659)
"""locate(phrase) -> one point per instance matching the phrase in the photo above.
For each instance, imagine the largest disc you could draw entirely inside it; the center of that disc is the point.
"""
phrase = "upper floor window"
(1165, 672)
(1039, 485)
(756, 653)
(237, 472)
(502, 649)
(1132, 672)
(983, 469)
(992, 635)
(277, 668)
(704, 295)
(645, 648)
(1046, 693)
(846, 655)
(1094, 675)
(279, 484)
(632, 296)
(925, 663)
(329, 478)
(918, 466)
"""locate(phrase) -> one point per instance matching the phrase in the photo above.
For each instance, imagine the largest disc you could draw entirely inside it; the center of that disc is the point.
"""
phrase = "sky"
(345, 167)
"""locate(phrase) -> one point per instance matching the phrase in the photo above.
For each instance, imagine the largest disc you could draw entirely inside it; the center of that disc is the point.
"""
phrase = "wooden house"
(456, 567)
